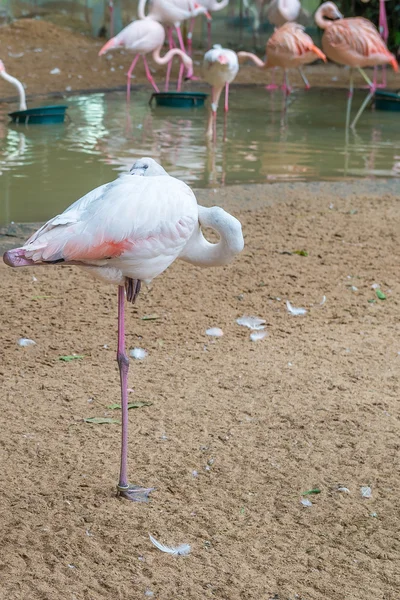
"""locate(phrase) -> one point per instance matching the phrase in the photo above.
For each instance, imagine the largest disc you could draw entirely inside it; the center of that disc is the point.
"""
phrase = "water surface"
(45, 168)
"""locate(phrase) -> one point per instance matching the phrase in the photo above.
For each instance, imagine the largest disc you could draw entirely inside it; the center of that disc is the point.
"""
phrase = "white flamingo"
(220, 67)
(125, 232)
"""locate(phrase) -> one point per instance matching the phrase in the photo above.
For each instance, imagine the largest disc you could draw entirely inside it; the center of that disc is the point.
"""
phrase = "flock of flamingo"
(354, 42)
(132, 229)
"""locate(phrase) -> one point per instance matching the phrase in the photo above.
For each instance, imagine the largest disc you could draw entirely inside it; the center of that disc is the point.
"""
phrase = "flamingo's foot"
(135, 493)
(271, 86)
(307, 86)
(192, 78)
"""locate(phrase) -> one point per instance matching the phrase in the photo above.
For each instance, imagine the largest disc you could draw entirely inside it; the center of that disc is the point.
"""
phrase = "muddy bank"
(236, 430)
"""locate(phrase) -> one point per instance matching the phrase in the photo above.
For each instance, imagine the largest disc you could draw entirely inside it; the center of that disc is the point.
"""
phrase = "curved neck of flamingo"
(202, 253)
(141, 9)
(19, 86)
(320, 19)
(253, 57)
(163, 60)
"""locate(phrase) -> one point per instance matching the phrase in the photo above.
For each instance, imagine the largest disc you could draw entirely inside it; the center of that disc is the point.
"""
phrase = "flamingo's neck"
(321, 20)
(18, 85)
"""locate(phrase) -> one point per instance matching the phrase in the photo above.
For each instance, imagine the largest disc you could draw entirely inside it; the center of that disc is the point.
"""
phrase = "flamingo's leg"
(367, 99)
(272, 85)
(226, 107)
(180, 77)
(349, 99)
(149, 75)
(190, 36)
(304, 78)
(286, 85)
(180, 39)
(171, 44)
(129, 74)
(131, 492)
(208, 33)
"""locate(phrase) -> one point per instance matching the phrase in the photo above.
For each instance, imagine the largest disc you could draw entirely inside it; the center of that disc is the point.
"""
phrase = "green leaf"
(151, 317)
(313, 491)
(380, 294)
(300, 252)
(70, 357)
(101, 420)
(130, 405)
(372, 301)
(40, 297)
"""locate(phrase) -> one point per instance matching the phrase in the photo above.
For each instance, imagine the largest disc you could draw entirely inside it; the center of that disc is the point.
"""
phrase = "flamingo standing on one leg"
(220, 67)
(143, 37)
(354, 42)
(125, 232)
(171, 13)
(289, 47)
(280, 12)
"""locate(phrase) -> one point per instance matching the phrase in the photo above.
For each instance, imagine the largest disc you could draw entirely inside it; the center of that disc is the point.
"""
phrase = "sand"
(236, 430)
(31, 49)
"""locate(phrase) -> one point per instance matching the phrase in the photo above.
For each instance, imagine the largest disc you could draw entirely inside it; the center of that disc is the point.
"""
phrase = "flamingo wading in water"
(171, 13)
(289, 47)
(142, 37)
(354, 42)
(128, 231)
(220, 67)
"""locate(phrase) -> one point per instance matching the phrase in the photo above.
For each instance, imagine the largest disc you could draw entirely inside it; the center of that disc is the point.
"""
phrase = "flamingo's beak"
(338, 14)
(207, 14)
(109, 46)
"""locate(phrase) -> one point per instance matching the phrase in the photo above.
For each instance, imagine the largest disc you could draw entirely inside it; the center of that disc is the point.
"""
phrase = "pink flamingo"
(171, 13)
(289, 47)
(220, 67)
(125, 232)
(144, 37)
(354, 42)
(280, 12)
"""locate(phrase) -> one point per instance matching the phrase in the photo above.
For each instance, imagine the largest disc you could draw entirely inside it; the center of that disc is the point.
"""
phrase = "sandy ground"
(314, 405)
(31, 49)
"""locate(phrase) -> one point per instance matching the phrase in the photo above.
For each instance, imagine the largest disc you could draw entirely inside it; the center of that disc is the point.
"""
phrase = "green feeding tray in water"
(179, 99)
(387, 100)
(42, 115)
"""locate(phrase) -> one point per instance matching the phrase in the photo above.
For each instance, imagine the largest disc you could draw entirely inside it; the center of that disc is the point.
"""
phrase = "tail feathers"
(318, 52)
(394, 64)
(16, 258)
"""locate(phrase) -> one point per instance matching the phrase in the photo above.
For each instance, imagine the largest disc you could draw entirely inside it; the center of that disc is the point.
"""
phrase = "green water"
(43, 169)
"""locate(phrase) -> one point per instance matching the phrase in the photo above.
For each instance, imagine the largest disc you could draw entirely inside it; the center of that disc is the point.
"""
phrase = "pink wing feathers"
(292, 40)
(130, 217)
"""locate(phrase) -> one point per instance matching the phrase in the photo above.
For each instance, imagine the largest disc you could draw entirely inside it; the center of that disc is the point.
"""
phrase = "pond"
(43, 169)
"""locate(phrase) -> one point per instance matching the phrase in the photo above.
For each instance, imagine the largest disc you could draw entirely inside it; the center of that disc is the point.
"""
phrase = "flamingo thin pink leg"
(272, 85)
(190, 37)
(128, 83)
(208, 33)
(226, 107)
(131, 492)
(149, 75)
(169, 67)
(180, 77)
(180, 39)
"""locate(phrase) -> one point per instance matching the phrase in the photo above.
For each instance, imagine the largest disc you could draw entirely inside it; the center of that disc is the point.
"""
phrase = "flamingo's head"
(113, 43)
(201, 10)
(147, 167)
(330, 11)
(187, 61)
